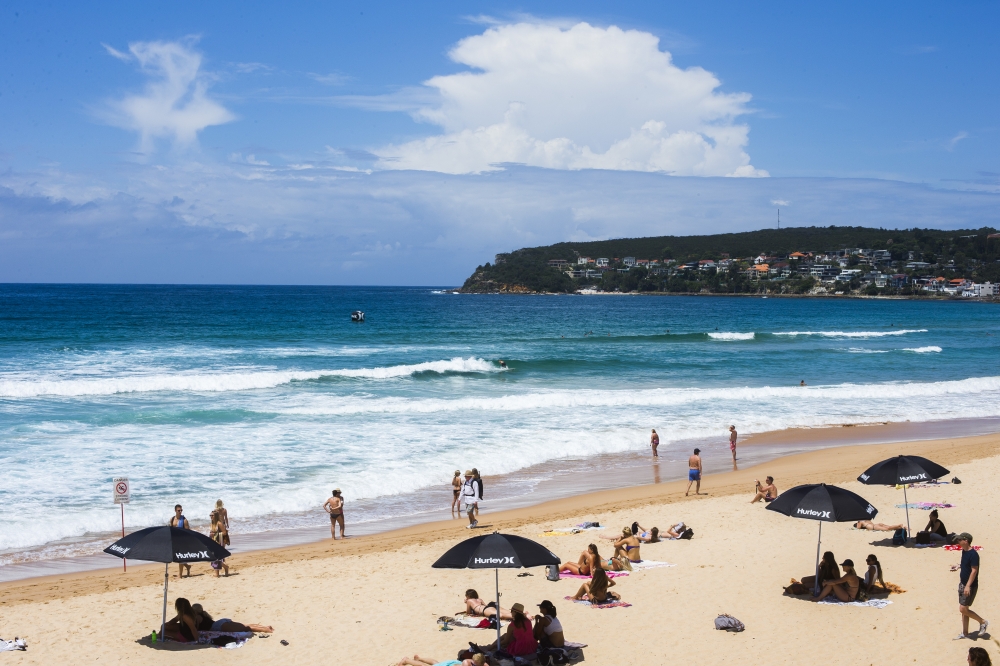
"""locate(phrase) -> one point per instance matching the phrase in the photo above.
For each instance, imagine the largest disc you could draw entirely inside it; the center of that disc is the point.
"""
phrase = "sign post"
(123, 493)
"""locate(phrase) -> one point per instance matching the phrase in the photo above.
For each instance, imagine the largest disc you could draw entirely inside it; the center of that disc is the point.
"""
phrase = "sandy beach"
(371, 600)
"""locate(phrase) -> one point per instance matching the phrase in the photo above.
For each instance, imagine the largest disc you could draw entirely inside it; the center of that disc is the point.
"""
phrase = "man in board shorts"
(732, 441)
(968, 586)
(694, 473)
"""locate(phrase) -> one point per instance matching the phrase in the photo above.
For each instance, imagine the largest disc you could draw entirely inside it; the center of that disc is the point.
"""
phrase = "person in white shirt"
(470, 497)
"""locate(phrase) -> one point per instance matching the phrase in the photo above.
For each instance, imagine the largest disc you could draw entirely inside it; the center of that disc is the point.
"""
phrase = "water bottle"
(154, 636)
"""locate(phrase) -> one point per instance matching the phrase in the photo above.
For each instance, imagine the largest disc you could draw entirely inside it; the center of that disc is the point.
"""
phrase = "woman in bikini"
(184, 626)
(585, 564)
(874, 574)
(844, 588)
(218, 535)
(456, 491)
(651, 535)
(207, 623)
(878, 527)
(596, 590)
(628, 546)
(476, 606)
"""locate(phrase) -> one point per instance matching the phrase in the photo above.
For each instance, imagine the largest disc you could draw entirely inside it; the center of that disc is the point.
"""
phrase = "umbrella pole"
(497, 573)
(906, 503)
(166, 578)
(819, 539)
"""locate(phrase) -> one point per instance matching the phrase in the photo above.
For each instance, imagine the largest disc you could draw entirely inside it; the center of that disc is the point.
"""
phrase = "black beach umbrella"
(497, 551)
(902, 470)
(823, 503)
(167, 544)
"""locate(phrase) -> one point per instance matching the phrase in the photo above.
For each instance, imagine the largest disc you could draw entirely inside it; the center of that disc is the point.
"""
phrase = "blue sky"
(400, 143)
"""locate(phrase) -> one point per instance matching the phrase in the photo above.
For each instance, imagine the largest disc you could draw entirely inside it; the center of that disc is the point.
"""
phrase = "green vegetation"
(950, 254)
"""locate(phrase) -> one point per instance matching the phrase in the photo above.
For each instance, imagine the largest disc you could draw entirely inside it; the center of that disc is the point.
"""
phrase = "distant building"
(557, 262)
(629, 261)
(603, 262)
(583, 261)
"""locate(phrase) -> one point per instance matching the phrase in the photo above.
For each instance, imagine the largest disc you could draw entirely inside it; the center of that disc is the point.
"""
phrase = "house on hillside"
(706, 264)
(629, 262)
(602, 262)
(583, 261)
(558, 263)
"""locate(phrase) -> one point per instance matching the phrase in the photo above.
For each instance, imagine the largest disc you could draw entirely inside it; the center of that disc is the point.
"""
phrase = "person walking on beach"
(654, 441)
(456, 491)
(335, 507)
(219, 535)
(732, 441)
(968, 586)
(478, 480)
(180, 522)
(470, 498)
(694, 472)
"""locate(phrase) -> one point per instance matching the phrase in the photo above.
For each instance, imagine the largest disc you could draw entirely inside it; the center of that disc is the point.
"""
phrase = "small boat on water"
(357, 315)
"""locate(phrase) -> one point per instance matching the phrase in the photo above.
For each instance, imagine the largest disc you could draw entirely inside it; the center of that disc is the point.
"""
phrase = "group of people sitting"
(849, 586)
(193, 619)
(522, 636)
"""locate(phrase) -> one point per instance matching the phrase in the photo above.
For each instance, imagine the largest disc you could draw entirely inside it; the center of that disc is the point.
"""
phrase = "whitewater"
(268, 397)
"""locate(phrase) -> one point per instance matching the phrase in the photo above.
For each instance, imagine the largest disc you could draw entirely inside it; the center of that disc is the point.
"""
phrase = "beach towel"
(11, 646)
(650, 564)
(611, 574)
(955, 546)
(240, 638)
(566, 531)
(926, 506)
(609, 604)
(473, 621)
(871, 603)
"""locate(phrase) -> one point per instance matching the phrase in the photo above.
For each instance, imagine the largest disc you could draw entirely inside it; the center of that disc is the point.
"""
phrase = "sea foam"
(731, 336)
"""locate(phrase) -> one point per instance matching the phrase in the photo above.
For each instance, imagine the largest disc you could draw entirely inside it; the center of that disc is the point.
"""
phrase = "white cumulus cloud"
(174, 103)
(581, 97)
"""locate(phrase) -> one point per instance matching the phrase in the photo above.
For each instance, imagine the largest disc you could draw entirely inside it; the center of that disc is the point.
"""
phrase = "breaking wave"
(731, 336)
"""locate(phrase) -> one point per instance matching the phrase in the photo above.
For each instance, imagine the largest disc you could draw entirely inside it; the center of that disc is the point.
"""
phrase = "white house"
(583, 261)
(629, 261)
(602, 262)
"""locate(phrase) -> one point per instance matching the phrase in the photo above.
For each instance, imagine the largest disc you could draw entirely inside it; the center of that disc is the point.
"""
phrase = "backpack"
(729, 623)
(552, 571)
(923, 538)
(899, 538)
(686, 534)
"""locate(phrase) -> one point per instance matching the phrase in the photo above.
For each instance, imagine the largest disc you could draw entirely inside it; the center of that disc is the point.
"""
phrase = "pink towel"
(611, 574)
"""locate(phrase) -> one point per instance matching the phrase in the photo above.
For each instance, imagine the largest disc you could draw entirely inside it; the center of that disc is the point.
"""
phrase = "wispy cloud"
(779, 202)
(955, 139)
(174, 104)
(332, 79)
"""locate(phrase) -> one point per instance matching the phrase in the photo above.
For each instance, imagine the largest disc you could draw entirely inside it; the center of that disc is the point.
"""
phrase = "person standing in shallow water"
(654, 442)
(335, 507)
(732, 441)
(456, 491)
(694, 472)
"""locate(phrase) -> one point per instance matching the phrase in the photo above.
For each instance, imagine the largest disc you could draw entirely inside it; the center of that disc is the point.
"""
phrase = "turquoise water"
(270, 396)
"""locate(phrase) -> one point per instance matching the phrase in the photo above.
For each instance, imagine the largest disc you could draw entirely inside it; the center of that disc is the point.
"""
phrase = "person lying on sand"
(476, 606)
(596, 590)
(651, 535)
(844, 588)
(584, 565)
(878, 527)
(675, 531)
(205, 622)
(477, 660)
(766, 491)
(519, 639)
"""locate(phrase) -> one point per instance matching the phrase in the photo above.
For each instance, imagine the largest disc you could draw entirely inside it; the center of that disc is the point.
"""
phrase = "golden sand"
(371, 600)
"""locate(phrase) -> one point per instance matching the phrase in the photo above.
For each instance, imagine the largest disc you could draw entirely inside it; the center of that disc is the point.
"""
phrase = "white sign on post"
(122, 490)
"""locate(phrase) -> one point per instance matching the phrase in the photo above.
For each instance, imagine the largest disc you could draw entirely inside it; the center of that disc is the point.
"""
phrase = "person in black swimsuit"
(184, 627)
(844, 588)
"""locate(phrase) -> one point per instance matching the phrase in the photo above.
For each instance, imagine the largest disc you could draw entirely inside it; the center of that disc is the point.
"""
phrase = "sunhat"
(517, 607)
(468, 472)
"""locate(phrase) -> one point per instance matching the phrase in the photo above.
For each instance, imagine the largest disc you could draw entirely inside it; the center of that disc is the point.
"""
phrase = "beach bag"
(899, 538)
(797, 589)
(923, 538)
(956, 480)
(686, 534)
(727, 622)
(552, 571)
(552, 656)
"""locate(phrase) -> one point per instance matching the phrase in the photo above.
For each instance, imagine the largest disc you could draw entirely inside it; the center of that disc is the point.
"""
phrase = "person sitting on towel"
(184, 626)
(766, 491)
(844, 588)
(548, 628)
(476, 606)
(877, 527)
(938, 532)
(519, 640)
(874, 574)
(584, 565)
(628, 546)
(828, 570)
(596, 591)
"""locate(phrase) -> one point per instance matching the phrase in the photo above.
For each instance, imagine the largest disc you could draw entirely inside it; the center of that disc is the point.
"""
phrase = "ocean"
(269, 397)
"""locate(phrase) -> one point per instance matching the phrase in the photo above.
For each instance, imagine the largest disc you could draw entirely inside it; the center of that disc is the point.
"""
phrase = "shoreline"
(540, 484)
(893, 297)
(827, 465)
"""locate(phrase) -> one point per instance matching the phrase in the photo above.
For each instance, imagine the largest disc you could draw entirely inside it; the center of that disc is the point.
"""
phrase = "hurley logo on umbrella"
(119, 549)
(812, 512)
(494, 560)
(190, 556)
(915, 477)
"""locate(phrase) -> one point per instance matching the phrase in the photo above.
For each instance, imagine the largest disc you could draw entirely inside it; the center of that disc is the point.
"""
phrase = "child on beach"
(456, 490)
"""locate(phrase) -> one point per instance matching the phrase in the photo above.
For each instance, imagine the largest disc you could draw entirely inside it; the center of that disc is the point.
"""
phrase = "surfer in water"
(503, 365)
